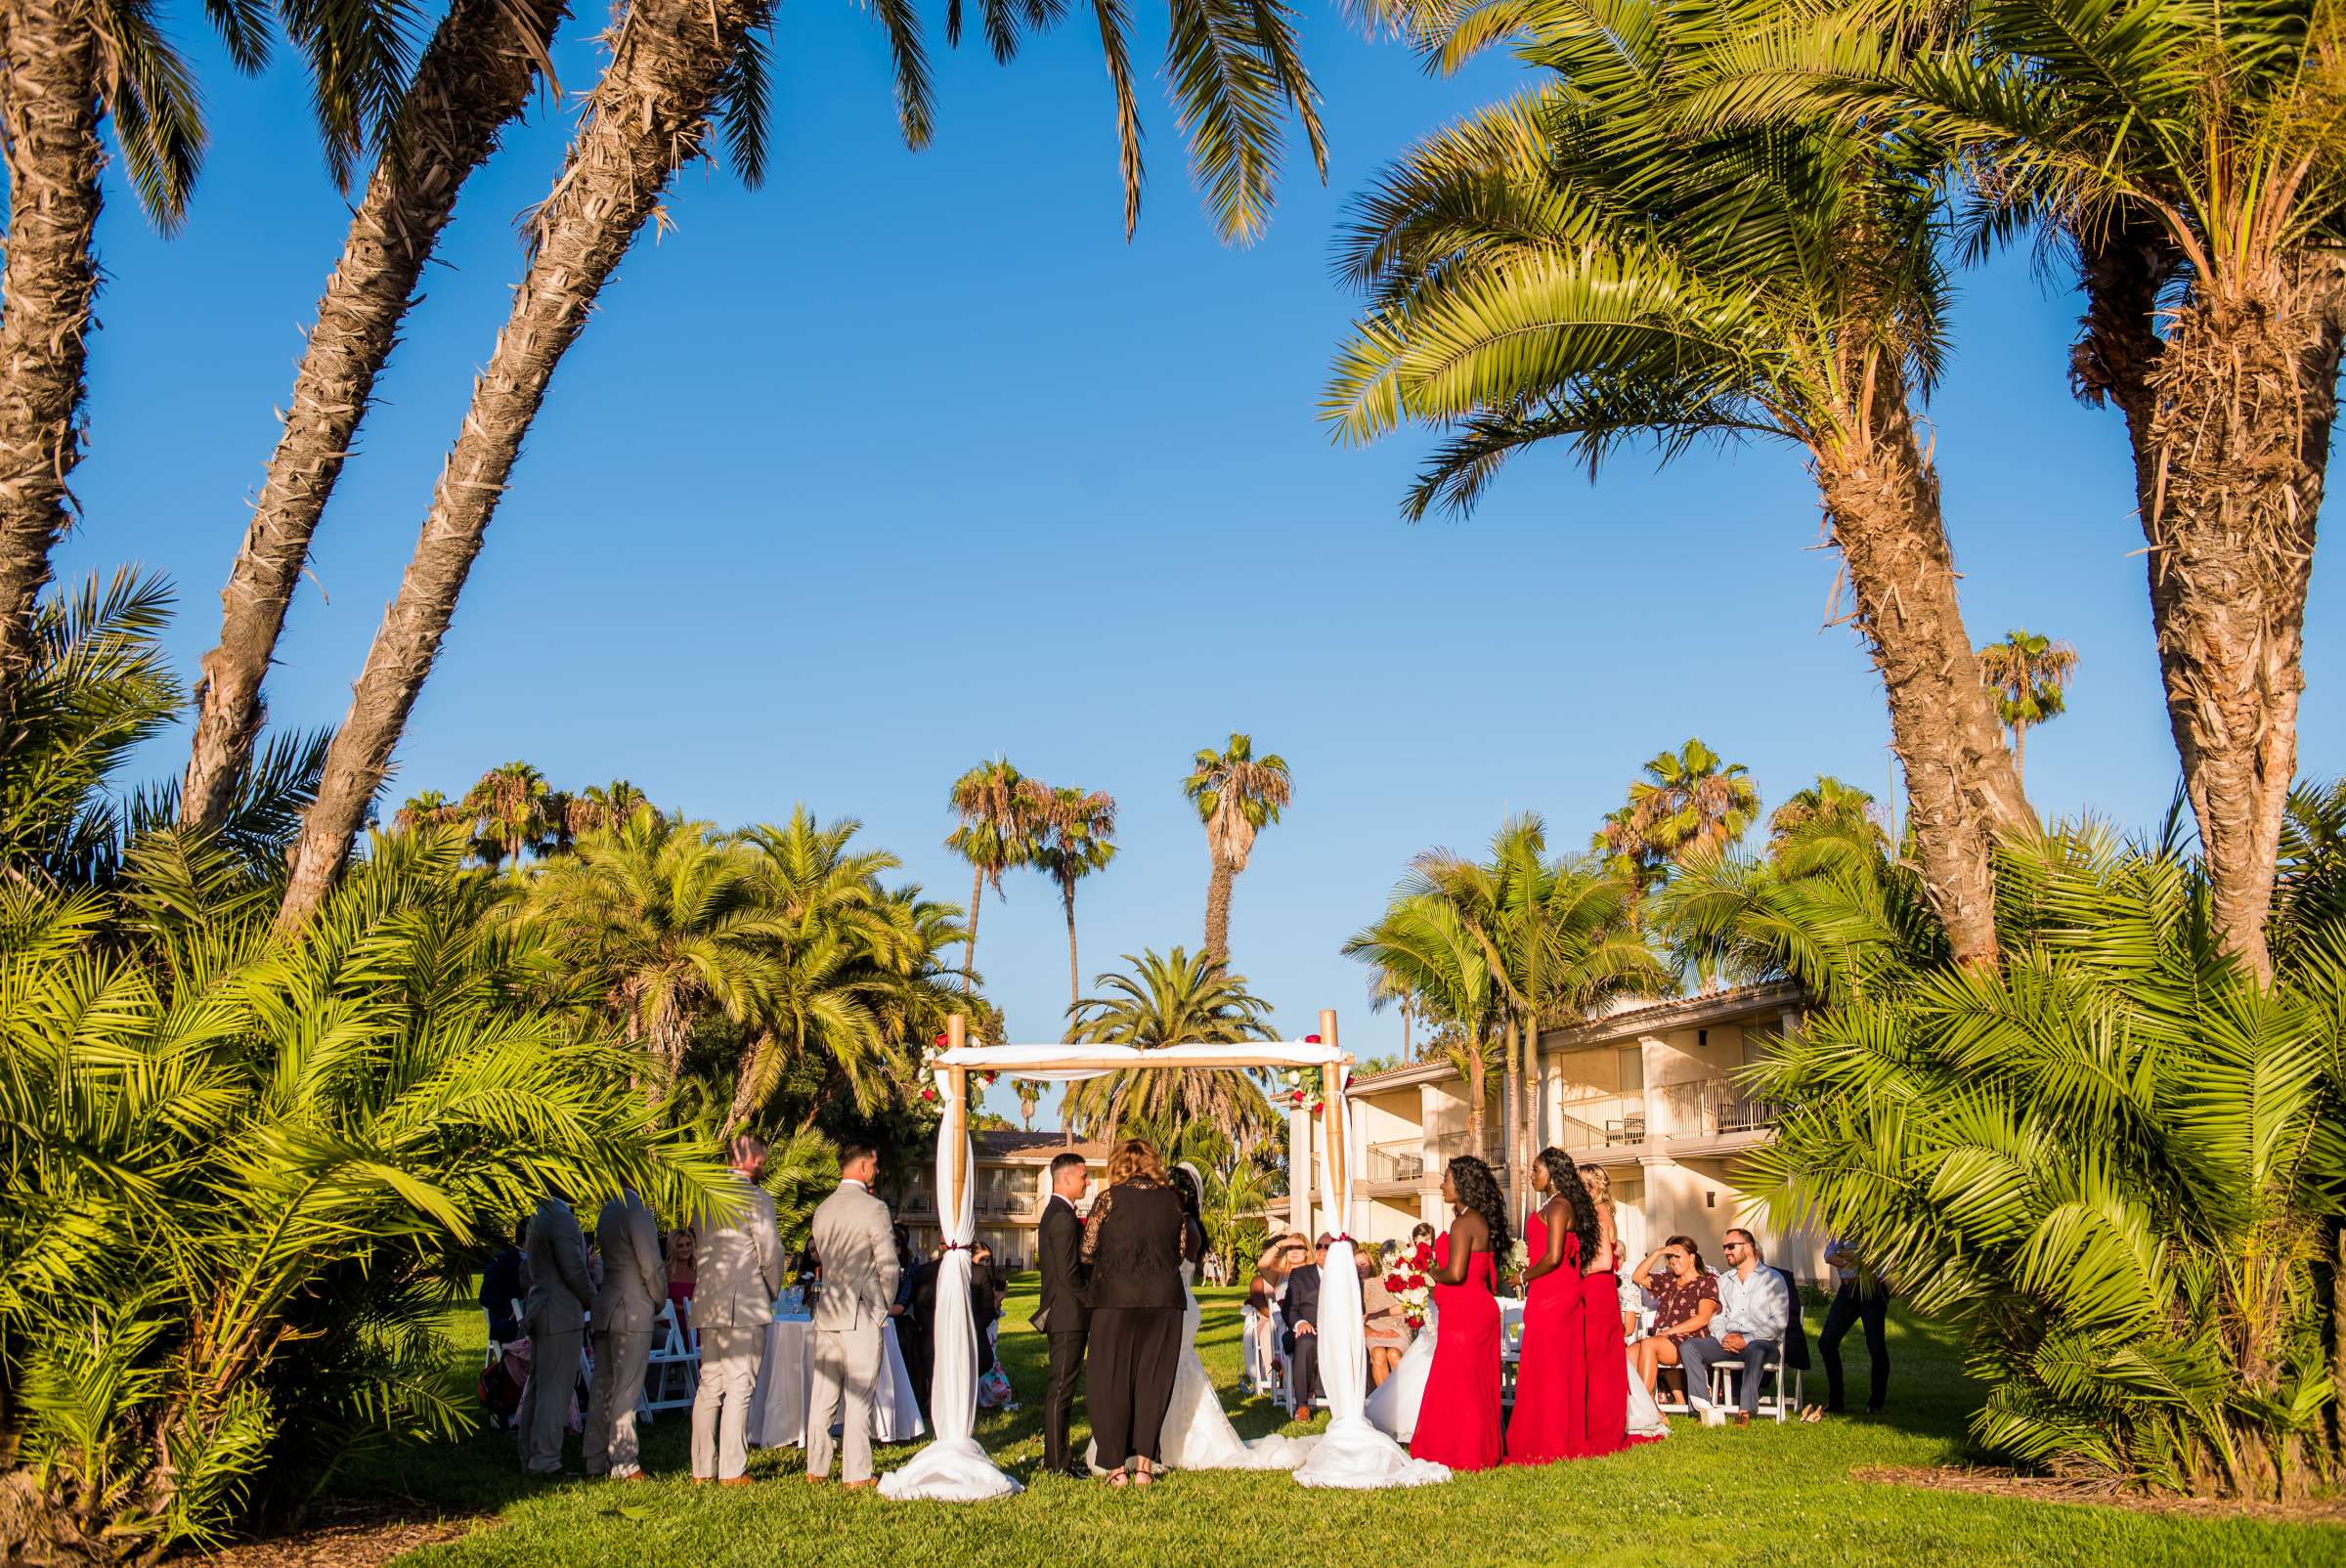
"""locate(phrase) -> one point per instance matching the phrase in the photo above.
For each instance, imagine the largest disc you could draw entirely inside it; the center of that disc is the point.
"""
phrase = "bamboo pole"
(957, 1079)
(1332, 1126)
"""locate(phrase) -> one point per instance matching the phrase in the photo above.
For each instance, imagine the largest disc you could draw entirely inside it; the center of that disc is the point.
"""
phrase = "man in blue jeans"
(1754, 1306)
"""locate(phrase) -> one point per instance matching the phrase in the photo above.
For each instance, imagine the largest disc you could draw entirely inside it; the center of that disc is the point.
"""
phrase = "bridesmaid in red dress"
(1457, 1419)
(1606, 1360)
(1551, 1381)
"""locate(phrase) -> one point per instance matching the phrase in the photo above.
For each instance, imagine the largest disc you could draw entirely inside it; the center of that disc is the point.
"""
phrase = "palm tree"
(65, 68)
(1558, 939)
(2186, 153)
(1077, 838)
(1170, 999)
(1827, 801)
(676, 68)
(1031, 1094)
(600, 808)
(1423, 942)
(509, 808)
(664, 921)
(423, 809)
(2028, 674)
(1579, 265)
(1000, 812)
(1237, 796)
(1689, 801)
(473, 80)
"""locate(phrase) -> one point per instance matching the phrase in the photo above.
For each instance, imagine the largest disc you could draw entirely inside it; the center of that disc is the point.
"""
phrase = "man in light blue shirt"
(1755, 1308)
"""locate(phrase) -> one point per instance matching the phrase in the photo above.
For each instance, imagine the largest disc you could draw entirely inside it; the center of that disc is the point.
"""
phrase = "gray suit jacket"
(634, 1279)
(858, 1250)
(737, 1263)
(557, 1258)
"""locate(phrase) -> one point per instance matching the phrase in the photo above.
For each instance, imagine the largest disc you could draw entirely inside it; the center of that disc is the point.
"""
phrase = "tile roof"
(1012, 1144)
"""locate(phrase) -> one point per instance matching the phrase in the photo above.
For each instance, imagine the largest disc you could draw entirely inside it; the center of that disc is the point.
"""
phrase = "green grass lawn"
(1764, 1493)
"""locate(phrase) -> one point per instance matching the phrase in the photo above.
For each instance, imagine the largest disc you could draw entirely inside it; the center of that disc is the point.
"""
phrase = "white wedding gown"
(1196, 1434)
(1393, 1404)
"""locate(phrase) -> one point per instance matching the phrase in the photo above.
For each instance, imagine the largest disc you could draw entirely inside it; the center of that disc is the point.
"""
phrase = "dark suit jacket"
(1301, 1302)
(1065, 1305)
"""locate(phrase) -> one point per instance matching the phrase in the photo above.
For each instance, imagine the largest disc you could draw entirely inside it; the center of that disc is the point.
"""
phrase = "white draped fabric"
(953, 1469)
(1035, 1060)
(1352, 1453)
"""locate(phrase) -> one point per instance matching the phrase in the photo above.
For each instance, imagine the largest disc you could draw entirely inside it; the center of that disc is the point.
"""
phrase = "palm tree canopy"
(1077, 837)
(1237, 794)
(1000, 810)
(2029, 673)
(1829, 801)
(1171, 999)
(1689, 801)
(1583, 264)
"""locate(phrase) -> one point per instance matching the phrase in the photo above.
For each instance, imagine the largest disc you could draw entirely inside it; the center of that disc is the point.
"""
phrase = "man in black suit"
(1064, 1315)
(1300, 1306)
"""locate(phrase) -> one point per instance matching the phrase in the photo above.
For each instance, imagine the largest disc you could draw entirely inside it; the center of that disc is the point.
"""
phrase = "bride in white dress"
(1196, 1434)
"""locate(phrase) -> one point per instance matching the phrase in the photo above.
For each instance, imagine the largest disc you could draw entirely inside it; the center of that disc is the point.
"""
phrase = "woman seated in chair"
(1686, 1299)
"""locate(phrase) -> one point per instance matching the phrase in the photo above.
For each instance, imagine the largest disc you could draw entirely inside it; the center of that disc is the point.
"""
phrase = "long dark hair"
(1192, 1201)
(1564, 1181)
(1478, 1190)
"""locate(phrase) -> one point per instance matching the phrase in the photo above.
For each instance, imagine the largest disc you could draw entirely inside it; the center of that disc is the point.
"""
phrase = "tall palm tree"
(1000, 810)
(2029, 675)
(423, 809)
(516, 811)
(67, 67)
(1077, 838)
(2187, 152)
(1237, 794)
(1579, 265)
(675, 68)
(1171, 999)
(600, 808)
(666, 922)
(1689, 801)
(473, 80)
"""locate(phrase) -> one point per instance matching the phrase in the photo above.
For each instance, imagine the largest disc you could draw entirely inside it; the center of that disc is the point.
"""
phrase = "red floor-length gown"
(1457, 1419)
(1551, 1393)
(1605, 1364)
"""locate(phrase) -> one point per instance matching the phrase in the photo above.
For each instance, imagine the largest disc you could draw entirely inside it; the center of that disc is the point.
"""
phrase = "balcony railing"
(1450, 1144)
(1608, 1122)
(1398, 1162)
(1704, 1107)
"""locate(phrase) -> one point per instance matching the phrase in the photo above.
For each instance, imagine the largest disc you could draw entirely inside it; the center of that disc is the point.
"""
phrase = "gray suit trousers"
(720, 1410)
(620, 1360)
(847, 1369)
(546, 1402)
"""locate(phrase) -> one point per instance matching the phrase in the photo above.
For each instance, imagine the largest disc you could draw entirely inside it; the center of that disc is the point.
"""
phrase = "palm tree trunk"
(647, 115)
(49, 142)
(2228, 416)
(474, 77)
(1881, 497)
(1074, 982)
(1217, 912)
(1475, 1092)
(2020, 754)
(968, 951)
(746, 1078)
(1511, 1096)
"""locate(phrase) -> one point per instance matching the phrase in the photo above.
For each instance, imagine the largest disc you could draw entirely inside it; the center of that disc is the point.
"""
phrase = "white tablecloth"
(786, 1384)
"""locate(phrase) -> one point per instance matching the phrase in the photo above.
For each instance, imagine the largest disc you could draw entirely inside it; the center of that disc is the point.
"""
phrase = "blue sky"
(905, 460)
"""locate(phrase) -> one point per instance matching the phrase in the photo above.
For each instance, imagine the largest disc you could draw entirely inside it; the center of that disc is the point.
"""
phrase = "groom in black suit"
(1064, 1315)
(1300, 1306)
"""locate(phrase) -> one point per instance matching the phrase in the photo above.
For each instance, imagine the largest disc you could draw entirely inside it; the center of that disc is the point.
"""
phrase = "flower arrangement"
(1410, 1282)
(1300, 1097)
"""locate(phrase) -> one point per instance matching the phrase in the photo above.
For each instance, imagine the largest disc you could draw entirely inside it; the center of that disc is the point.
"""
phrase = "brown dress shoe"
(858, 1486)
(738, 1480)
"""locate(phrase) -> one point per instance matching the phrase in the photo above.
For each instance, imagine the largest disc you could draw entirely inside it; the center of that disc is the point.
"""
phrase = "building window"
(1631, 1059)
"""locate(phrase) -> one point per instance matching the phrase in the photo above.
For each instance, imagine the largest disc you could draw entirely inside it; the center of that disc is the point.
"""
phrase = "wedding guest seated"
(1755, 1309)
(501, 1285)
(1685, 1299)
(1300, 1306)
(1262, 1297)
(1381, 1322)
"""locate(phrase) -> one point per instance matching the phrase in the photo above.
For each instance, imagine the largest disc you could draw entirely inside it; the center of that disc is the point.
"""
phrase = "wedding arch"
(953, 1467)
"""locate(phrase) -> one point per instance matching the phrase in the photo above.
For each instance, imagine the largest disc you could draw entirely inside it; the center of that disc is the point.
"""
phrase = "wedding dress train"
(1196, 1434)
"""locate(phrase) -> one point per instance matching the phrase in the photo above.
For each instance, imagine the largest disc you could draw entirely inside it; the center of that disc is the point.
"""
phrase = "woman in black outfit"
(1134, 1243)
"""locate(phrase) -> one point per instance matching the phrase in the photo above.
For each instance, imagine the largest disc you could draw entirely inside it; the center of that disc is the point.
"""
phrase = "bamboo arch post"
(957, 1080)
(1334, 1125)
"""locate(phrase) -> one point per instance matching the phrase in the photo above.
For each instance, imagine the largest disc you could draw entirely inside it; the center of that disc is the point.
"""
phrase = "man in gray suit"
(554, 1313)
(858, 1248)
(737, 1274)
(634, 1290)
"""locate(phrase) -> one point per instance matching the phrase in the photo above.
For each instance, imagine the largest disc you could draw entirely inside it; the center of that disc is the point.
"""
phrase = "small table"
(786, 1388)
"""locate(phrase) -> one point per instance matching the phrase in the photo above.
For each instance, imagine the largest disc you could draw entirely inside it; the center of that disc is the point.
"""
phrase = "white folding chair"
(673, 1372)
(1250, 1343)
(1722, 1385)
